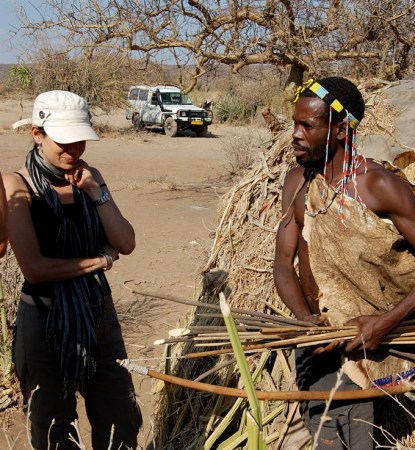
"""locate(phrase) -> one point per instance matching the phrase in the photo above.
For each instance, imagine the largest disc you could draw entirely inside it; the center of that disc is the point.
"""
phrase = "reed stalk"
(229, 417)
(397, 337)
(167, 370)
(207, 440)
(224, 423)
(254, 420)
(257, 314)
(234, 441)
(287, 424)
(215, 369)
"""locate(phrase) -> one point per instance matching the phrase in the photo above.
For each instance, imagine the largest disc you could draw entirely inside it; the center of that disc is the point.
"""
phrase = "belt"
(29, 300)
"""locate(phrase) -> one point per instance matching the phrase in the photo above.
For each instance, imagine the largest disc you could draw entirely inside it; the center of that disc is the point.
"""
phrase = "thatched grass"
(240, 264)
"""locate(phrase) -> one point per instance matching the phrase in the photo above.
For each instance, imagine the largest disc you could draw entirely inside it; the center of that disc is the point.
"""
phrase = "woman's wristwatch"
(103, 199)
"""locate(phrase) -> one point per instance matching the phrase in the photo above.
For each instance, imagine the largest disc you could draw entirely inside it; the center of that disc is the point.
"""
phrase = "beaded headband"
(328, 98)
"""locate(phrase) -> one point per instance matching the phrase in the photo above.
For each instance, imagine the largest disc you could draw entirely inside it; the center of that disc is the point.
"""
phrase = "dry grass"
(241, 150)
(12, 281)
(107, 130)
(164, 181)
(244, 242)
(132, 184)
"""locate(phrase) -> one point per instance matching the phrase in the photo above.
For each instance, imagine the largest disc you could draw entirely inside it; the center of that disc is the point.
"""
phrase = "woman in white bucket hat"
(66, 231)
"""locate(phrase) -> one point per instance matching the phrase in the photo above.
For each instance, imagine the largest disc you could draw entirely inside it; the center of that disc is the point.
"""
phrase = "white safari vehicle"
(166, 107)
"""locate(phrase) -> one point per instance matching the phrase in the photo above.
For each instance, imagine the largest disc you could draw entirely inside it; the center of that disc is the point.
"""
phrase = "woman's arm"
(3, 219)
(35, 267)
(118, 231)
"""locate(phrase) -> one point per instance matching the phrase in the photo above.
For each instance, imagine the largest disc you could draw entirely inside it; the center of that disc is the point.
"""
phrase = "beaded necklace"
(311, 174)
(352, 160)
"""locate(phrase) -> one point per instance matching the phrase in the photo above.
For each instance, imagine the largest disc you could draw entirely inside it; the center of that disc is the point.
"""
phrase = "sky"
(9, 48)
(7, 20)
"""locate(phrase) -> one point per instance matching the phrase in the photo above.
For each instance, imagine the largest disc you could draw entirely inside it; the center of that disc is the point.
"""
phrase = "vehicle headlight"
(181, 113)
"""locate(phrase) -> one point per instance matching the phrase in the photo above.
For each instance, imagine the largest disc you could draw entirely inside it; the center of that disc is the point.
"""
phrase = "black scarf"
(77, 304)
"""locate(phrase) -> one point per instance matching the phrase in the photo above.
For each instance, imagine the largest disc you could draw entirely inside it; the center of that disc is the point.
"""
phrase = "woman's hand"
(110, 255)
(81, 177)
(118, 231)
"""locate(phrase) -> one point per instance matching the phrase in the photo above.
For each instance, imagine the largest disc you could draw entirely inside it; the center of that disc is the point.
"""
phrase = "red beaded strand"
(352, 160)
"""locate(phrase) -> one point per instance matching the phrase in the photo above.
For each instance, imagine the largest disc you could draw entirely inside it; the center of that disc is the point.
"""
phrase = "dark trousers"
(351, 422)
(109, 393)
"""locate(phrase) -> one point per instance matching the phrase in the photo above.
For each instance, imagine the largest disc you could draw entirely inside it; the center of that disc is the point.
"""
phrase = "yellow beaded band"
(325, 95)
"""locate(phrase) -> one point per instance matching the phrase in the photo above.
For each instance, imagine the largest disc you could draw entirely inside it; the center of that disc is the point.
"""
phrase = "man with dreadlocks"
(350, 222)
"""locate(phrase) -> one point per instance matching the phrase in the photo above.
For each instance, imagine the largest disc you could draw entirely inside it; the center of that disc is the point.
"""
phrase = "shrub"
(240, 150)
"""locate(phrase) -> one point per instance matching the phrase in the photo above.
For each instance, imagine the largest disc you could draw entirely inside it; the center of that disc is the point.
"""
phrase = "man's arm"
(391, 196)
(287, 246)
(285, 277)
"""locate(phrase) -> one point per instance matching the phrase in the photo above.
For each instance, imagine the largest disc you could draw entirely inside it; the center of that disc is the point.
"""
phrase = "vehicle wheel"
(201, 131)
(170, 127)
(137, 124)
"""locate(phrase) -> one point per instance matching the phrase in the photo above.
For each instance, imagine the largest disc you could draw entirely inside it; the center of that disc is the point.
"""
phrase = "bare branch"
(302, 34)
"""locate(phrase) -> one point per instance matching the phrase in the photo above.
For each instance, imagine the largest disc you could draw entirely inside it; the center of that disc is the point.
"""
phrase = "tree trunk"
(295, 79)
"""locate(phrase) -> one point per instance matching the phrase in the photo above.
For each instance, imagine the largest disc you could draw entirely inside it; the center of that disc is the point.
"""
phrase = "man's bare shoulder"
(294, 182)
(383, 191)
(381, 176)
(294, 176)
(375, 166)
(293, 189)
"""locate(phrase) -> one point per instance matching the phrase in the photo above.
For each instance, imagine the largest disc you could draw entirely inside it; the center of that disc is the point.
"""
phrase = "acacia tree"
(356, 37)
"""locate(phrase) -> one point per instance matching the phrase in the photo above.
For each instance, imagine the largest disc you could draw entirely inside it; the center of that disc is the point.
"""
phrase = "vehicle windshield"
(174, 98)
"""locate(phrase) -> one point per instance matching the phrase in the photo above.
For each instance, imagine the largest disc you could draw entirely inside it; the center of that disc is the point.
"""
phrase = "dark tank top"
(46, 225)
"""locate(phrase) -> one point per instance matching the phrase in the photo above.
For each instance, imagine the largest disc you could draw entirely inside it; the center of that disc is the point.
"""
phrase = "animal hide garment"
(364, 269)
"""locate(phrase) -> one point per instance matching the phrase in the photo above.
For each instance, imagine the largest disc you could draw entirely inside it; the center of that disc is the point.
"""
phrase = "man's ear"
(340, 131)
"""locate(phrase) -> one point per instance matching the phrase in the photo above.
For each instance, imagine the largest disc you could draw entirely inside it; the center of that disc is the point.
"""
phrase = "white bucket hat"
(63, 115)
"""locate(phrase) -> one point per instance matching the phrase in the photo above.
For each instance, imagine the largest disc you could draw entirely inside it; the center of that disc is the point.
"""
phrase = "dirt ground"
(168, 188)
